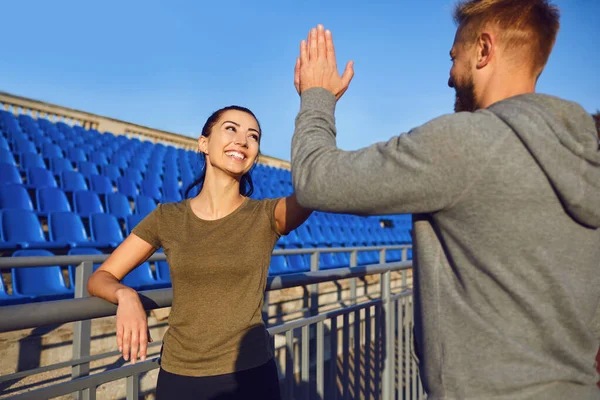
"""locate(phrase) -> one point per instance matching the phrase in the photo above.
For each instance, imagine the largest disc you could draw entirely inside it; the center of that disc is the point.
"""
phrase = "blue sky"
(169, 64)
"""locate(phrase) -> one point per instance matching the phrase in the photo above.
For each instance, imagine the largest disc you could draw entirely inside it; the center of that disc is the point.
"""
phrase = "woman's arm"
(132, 323)
(289, 214)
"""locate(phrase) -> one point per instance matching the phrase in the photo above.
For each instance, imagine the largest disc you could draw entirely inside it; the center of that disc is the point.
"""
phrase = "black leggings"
(261, 382)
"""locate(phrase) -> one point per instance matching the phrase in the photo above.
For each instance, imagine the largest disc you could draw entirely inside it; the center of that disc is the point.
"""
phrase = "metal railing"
(372, 358)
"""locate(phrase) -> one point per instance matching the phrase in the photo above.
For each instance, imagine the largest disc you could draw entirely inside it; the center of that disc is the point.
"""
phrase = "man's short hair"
(527, 28)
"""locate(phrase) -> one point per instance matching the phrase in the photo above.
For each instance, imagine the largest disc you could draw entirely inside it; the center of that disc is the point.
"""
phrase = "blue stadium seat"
(393, 255)
(65, 144)
(76, 154)
(131, 221)
(163, 274)
(11, 300)
(87, 168)
(9, 174)
(278, 265)
(6, 157)
(58, 165)
(171, 191)
(51, 199)
(40, 177)
(117, 204)
(31, 160)
(138, 163)
(101, 184)
(367, 257)
(40, 141)
(134, 175)
(72, 181)
(112, 172)
(51, 150)
(67, 229)
(100, 158)
(4, 144)
(127, 187)
(41, 283)
(24, 146)
(15, 196)
(153, 178)
(105, 229)
(21, 229)
(119, 161)
(141, 278)
(144, 205)
(81, 251)
(87, 202)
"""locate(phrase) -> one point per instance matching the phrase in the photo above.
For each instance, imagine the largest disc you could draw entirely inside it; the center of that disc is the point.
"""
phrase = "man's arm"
(425, 170)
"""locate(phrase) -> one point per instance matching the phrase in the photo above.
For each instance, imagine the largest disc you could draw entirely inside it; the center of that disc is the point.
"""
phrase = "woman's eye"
(230, 128)
(255, 137)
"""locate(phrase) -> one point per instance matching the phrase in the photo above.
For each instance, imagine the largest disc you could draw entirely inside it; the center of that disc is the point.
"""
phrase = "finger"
(126, 343)
(312, 46)
(330, 49)
(120, 337)
(321, 48)
(135, 341)
(348, 73)
(304, 52)
(143, 344)
(297, 75)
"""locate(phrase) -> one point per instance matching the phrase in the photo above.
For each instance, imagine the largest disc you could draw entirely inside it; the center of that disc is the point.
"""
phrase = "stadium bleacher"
(69, 190)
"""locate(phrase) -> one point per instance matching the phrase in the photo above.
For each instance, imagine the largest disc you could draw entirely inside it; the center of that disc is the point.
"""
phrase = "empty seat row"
(83, 202)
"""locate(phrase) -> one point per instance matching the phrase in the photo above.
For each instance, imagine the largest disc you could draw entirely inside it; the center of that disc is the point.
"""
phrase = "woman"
(218, 245)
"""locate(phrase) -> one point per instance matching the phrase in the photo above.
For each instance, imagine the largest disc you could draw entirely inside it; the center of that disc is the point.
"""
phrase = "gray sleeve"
(424, 170)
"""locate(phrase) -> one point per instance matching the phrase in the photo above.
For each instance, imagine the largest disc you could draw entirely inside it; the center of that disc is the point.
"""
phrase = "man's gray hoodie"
(506, 211)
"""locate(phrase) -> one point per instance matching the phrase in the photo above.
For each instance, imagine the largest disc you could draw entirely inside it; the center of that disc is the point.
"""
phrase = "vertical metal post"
(82, 330)
(353, 281)
(133, 387)
(400, 359)
(314, 288)
(333, 359)
(305, 362)
(289, 364)
(407, 345)
(353, 284)
(265, 309)
(320, 360)
(346, 356)
(387, 380)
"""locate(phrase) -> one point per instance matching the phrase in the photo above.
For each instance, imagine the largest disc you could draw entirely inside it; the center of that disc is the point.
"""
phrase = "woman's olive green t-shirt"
(219, 272)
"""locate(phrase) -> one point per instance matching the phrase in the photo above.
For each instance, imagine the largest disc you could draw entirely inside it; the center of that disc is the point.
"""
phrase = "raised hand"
(317, 66)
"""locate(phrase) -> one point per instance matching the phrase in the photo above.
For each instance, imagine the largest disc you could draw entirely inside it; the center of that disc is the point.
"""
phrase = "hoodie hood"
(562, 138)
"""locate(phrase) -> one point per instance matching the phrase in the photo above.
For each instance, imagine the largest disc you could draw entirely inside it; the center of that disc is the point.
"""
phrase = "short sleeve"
(270, 205)
(148, 228)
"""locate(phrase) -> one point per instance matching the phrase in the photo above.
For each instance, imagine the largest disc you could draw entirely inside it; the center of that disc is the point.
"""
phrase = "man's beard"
(465, 97)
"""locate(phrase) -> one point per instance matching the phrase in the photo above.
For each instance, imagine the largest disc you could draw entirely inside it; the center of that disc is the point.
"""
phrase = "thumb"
(348, 73)
(297, 75)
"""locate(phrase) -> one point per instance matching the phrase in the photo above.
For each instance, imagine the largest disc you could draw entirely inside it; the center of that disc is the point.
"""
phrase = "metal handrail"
(25, 262)
(25, 316)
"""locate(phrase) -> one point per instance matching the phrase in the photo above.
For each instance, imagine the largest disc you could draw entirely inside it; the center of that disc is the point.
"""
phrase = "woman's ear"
(203, 144)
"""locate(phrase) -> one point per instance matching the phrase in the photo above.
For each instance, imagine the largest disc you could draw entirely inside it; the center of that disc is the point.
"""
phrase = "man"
(505, 197)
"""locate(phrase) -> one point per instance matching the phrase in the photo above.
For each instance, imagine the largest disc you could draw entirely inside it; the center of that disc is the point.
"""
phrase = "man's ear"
(486, 46)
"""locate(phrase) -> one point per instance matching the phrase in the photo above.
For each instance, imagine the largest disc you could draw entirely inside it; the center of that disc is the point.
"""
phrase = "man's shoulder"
(462, 126)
